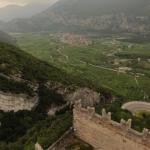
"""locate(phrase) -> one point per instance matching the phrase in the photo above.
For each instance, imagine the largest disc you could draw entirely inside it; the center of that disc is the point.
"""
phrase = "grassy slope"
(13, 61)
(45, 48)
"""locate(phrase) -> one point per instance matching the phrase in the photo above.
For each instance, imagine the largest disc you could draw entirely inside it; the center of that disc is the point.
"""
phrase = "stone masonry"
(105, 134)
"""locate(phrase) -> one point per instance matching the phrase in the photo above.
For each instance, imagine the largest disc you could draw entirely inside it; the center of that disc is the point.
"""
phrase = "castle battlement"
(90, 118)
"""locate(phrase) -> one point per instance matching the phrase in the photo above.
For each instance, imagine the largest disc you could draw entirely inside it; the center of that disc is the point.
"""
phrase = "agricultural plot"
(120, 66)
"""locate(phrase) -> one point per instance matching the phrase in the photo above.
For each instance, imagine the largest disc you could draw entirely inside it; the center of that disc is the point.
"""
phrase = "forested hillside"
(19, 73)
(16, 63)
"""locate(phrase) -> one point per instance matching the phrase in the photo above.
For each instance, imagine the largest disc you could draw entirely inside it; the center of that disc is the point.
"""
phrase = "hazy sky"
(19, 2)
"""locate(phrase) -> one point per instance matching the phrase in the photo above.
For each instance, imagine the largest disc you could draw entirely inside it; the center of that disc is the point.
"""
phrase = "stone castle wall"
(105, 134)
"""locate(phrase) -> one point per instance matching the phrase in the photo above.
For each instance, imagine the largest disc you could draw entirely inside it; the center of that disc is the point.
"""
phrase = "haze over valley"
(74, 74)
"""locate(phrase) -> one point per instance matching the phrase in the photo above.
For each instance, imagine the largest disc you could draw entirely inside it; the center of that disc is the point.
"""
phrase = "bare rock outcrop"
(87, 96)
(38, 146)
(16, 102)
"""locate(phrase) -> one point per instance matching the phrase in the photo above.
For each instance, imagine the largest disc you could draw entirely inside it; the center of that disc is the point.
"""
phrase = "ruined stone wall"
(16, 102)
(105, 134)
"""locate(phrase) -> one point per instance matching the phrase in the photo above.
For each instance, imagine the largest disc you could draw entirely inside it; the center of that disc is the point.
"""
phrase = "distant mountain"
(15, 11)
(87, 15)
(99, 7)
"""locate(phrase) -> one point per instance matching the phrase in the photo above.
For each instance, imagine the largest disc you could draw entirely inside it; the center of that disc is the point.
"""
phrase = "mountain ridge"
(74, 15)
(13, 11)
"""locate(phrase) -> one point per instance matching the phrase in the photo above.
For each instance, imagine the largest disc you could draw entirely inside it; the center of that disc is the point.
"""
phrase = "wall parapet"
(123, 128)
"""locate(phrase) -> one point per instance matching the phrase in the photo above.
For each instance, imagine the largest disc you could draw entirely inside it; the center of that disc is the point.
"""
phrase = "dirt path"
(100, 67)
(136, 81)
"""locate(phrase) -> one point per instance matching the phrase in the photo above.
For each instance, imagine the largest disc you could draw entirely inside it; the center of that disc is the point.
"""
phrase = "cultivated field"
(118, 65)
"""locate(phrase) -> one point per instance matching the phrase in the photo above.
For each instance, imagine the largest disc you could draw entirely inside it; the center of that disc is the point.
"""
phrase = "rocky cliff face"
(87, 96)
(16, 102)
